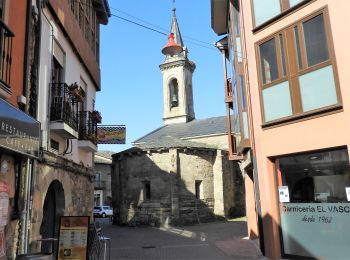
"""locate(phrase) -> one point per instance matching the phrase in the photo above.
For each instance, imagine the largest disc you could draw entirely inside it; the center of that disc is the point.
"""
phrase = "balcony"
(5, 59)
(88, 130)
(64, 110)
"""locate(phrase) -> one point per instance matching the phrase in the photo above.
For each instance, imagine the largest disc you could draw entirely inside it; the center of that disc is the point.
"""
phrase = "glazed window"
(314, 195)
(297, 70)
(315, 177)
(268, 9)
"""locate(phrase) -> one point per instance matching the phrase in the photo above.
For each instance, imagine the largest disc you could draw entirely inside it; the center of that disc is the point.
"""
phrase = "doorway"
(53, 209)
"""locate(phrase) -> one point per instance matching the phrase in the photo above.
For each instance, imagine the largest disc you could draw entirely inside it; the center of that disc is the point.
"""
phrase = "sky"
(131, 81)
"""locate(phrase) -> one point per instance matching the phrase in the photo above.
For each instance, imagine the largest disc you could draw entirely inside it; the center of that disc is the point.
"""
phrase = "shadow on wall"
(143, 193)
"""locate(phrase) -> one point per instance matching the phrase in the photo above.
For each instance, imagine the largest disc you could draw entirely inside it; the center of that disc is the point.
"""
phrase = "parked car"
(103, 211)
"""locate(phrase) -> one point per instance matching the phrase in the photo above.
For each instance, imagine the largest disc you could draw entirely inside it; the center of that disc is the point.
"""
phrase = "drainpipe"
(26, 54)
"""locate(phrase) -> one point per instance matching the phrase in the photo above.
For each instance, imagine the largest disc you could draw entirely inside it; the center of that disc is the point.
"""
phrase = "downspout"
(32, 178)
(49, 90)
(26, 54)
(251, 132)
(24, 178)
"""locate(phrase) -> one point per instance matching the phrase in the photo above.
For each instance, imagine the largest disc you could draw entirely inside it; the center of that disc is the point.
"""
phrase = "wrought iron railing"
(64, 105)
(5, 54)
(87, 126)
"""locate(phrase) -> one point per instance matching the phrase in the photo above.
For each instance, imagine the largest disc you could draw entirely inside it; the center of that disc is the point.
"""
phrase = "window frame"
(285, 10)
(293, 73)
(239, 65)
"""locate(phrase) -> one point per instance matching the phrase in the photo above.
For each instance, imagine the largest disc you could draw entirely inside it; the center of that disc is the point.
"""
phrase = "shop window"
(268, 9)
(316, 177)
(309, 57)
(314, 194)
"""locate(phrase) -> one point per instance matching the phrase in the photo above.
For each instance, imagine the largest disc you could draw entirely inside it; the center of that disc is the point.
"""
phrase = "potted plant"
(97, 116)
(76, 92)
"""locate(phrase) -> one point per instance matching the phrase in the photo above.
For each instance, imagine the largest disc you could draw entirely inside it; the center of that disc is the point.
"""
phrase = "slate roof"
(103, 157)
(194, 128)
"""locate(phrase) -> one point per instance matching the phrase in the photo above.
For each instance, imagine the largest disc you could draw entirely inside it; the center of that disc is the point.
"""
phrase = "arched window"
(174, 93)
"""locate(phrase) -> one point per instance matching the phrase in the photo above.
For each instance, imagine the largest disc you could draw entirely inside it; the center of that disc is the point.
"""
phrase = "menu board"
(73, 237)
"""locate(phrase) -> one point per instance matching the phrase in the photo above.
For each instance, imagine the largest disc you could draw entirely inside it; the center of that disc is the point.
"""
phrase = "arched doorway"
(53, 208)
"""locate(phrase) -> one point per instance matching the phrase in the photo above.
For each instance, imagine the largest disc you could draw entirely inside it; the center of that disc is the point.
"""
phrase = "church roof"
(194, 128)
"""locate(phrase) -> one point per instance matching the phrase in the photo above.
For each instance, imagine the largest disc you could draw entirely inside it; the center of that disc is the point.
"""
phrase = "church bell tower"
(177, 72)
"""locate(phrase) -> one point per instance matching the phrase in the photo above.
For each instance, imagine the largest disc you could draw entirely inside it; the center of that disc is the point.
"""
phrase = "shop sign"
(18, 131)
(308, 228)
(73, 237)
(111, 134)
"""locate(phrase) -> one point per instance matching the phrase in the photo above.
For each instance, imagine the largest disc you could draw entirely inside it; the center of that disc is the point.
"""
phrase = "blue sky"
(132, 92)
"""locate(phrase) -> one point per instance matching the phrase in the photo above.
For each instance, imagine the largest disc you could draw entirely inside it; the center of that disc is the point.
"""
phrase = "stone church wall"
(172, 176)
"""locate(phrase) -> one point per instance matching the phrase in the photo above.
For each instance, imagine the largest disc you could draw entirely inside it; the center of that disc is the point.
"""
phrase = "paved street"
(223, 240)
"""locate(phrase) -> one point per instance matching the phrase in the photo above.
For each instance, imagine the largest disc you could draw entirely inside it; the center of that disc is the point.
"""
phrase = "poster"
(283, 193)
(4, 203)
(347, 189)
(73, 237)
(2, 242)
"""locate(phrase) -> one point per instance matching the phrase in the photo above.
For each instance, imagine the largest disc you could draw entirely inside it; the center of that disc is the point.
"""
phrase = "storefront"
(314, 195)
(19, 149)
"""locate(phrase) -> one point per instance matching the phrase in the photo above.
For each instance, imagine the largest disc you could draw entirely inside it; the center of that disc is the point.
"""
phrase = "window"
(314, 191)
(146, 190)
(198, 190)
(268, 9)
(303, 49)
(174, 93)
(54, 145)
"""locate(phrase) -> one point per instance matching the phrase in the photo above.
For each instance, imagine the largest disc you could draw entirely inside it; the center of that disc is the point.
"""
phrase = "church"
(179, 173)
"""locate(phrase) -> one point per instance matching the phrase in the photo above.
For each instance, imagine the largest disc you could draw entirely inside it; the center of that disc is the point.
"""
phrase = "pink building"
(288, 65)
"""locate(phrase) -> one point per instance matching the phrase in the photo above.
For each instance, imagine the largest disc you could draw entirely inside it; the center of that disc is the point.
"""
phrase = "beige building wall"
(321, 131)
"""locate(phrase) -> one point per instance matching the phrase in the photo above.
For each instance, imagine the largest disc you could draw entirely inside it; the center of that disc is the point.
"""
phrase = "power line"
(138, 24)
(160, 29)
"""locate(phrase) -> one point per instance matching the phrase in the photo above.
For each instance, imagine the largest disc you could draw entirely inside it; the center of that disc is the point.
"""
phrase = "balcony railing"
(5, 54)
(87, 126)
(64, 105)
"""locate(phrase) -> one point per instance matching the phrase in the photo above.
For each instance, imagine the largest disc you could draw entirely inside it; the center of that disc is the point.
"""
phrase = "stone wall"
(172, 174)
(76, 200)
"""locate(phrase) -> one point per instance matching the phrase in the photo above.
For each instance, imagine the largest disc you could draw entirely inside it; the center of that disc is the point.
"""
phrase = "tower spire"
(175, 29)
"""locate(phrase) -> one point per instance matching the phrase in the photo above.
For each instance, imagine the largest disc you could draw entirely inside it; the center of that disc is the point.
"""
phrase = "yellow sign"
(111, 134)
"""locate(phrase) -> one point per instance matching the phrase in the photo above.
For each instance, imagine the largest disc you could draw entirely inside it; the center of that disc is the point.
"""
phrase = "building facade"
(49, 78)
(180, 172)
(103, 169)
(288, 61)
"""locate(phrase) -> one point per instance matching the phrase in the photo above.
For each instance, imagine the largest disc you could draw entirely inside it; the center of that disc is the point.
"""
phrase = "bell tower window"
(174, 93)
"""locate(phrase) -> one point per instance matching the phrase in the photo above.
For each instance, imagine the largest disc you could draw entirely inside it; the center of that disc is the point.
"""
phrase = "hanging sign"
(18, 131)
(111, 134)
(73, 237)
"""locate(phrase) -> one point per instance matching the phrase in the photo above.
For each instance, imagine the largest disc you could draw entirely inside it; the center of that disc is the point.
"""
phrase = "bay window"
(297, 70)
(268, 9)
